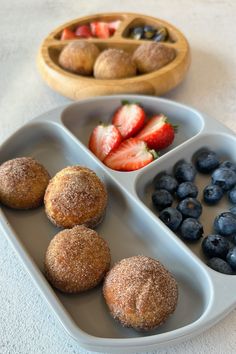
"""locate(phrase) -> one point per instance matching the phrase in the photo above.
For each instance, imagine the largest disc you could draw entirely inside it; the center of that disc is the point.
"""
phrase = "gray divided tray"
(59, 138)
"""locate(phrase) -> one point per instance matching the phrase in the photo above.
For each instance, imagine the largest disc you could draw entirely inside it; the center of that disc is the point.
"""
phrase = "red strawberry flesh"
(131, 155)
(104, 139)
(129, 119)
(83, 31)
(157, 133)
(67, 34)
(100, 29)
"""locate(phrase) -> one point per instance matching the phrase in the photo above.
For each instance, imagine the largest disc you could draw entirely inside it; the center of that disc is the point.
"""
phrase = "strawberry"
(113, 26)
(100, 29)
(104, 139)
(67, 34)
(83, 31)
(157, 133)
(131, 155)
(129, 119)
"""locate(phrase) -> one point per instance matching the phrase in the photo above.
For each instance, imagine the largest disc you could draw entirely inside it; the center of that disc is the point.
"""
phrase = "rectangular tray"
(59, 138)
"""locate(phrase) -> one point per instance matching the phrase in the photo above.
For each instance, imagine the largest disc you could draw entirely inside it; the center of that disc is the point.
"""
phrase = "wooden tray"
(76, 86)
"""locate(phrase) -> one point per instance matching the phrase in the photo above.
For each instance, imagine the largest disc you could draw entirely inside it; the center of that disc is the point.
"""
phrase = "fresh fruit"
(233, 238)
(158, 133)
(148, 32)
(136, 33)
(231, 257)
(220, 265)
(233, 210)
(224, 177)
(171, 218)
(100, 29)
(131, 155)
(212, 194)
(187, 189)
(83, 31)
(191, 229)
(161, 35)
(228, 164)
(129, 119)
(113, 26)
(165, 181)
(184, 171)
(190, 208)
(225, 224)
(104, 139)
(67, 34)
(161, 199)
(232, 195)
(215, 246)
(207, 161)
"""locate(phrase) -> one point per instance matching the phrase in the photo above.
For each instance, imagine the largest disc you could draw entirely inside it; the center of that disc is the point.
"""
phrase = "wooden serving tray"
(76, 86)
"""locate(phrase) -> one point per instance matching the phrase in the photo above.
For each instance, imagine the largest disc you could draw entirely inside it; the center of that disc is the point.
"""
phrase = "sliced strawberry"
(83, 31)
(131, 155)
(157, 133)
(104, 139)
(67, 34)
(129, 119)
(113, 26)
(100, 29)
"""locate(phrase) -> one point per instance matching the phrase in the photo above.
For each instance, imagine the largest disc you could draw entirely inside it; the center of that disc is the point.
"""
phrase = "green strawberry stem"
(154, 154)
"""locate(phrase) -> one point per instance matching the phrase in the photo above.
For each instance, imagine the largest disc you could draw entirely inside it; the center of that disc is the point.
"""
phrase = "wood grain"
(77, 87)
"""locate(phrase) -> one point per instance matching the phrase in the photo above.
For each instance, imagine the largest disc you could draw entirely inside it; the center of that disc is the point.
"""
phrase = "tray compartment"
(81, 117)
(130, 235)
(222, 144)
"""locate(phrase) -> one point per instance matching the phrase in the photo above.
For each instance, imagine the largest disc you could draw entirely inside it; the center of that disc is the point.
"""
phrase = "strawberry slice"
(129, 119)
(157, 133)
(104, 139)
(131, 155)
(83, 31)
(113, 26)
(100, 29)
(67, 34)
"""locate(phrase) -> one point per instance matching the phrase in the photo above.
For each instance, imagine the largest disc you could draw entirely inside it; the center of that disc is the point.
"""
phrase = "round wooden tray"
(76, 86)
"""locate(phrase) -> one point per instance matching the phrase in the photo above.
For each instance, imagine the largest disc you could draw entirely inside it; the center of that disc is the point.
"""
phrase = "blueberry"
(224, 177)
(191, 229)
(184, 171)
(212, 194)
(162, 199)
(231, 257)
(165, 181)
(207, 161)
(228, 164)
(234, 239)
(233, 210)
(190, 208)
(220, 265)
(136, 33)
(171, 217)
(187, 189)
(225, 224)
(148, 32)
(215, 246)
(232, 195)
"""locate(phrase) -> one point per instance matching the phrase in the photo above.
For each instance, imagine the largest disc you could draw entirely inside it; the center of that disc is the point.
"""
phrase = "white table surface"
(26, 324)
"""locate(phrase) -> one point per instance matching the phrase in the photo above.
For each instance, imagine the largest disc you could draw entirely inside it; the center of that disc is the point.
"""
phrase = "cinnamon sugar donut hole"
(23, 181)
(76, 259)
(140, 292)
(75, 196)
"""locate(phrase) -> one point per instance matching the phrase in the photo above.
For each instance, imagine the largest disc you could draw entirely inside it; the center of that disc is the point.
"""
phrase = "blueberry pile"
(149, 32)
(219, 247)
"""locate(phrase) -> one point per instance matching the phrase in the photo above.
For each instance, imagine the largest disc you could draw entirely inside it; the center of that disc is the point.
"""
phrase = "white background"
(26, 324)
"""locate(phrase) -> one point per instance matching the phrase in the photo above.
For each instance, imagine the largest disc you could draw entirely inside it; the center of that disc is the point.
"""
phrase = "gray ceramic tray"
(59, 138)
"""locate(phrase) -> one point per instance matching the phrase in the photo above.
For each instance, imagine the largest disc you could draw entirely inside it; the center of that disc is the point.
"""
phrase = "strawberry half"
(129, 119)
(83, 31)
(100, 29)
(157, 133)
(131, 155)
(104, 139)
(67, 34)
(113, 26)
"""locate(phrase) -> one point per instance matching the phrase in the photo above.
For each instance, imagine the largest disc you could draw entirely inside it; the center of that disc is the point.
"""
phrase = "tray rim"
(68, 323)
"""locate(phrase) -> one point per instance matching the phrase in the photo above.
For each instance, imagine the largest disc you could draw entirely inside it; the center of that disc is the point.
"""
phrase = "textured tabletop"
(26, 324)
